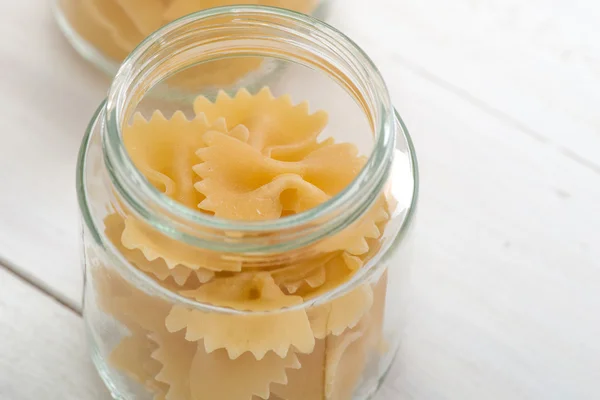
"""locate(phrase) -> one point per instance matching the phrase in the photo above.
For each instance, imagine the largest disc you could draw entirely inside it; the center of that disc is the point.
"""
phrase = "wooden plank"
(506, 271)
(48, 97)
(535, 62)
(43, 353)
(506, 265)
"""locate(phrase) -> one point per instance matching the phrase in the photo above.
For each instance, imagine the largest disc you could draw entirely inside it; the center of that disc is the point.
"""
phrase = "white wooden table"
(503, 100)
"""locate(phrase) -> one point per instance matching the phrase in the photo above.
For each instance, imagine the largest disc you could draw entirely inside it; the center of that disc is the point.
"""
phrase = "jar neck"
(248, 31)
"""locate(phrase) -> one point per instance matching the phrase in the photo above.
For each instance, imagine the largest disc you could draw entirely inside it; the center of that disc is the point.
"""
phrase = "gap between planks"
(21, 275)
(490, 110)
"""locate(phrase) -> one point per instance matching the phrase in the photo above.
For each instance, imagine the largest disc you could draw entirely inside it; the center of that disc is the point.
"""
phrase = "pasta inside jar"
(244, 245)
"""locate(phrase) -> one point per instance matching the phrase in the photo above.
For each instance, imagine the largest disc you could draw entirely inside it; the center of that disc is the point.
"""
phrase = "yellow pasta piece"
(344, 312)
(154, 367)
(155, 245)
(331, 167)
(307, 382)
(82, 19)
(110, 289)
(127, 304)
(258, 187)
(307, 278)
(175, 354)
(132, 355)
(338, 268)
(341, 313)
(115, 22)
(114, 227)
(142, 310)
(354, 239)
(238, 334)
(146, 15)
(191, 373)
(377, 314)
(332, 371)
(309, 272)
(278, 129)
(164, 151)
(345, 361)
(285, 193)
(216, 375)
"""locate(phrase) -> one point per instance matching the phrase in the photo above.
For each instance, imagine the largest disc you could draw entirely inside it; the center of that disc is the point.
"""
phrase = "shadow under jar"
(105, 31)
(250, 244)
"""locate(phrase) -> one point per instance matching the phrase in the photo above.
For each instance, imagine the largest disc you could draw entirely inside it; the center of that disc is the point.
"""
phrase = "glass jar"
(105, 31)
(308, 306)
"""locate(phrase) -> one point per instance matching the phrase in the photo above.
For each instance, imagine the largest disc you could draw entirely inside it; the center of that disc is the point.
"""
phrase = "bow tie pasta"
(244, 158)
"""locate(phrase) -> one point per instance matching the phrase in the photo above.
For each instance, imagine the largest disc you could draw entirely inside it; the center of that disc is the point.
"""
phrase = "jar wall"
(146, 344)
(139, 358)
(311, 308)
(106, 31)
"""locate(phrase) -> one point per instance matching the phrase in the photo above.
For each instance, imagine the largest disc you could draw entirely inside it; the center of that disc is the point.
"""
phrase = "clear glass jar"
(105, 31)
(327, 286)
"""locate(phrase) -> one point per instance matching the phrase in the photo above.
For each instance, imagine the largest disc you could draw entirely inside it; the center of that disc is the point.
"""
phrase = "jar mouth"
(294, 231)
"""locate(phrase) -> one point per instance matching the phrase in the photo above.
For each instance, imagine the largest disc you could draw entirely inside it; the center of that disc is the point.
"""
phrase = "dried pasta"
(344, 363)
(154, 245)
(343, 312)
(175, 355)
(116, 27)
(239, 379)
(354, 239)
(260, 181)
(164, 151)
(145, 15)
(110, 17)
(308, 381)
(83, 21)
(158, 268)
(238, 334)
(265, 345)
(279, 129)
(133, 355)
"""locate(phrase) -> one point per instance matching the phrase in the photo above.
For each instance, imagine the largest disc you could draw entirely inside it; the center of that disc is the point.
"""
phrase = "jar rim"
(373, 174)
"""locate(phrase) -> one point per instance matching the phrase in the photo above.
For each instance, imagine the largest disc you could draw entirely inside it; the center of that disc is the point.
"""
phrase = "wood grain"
(502, 100)
(535, 62)
(48, 96)
(506, 276)
(42, 348)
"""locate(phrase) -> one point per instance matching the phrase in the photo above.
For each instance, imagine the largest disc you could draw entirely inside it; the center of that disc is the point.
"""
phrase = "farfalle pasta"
(257, 335)
(270, 120)
(254, 187)
(115, 27)
(238, 334)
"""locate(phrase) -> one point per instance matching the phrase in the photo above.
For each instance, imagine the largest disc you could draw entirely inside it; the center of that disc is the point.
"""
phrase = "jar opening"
(248, 31)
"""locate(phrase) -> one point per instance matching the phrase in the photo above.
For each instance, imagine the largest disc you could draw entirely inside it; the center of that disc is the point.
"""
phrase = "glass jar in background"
(181, 304)
(106, 31)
